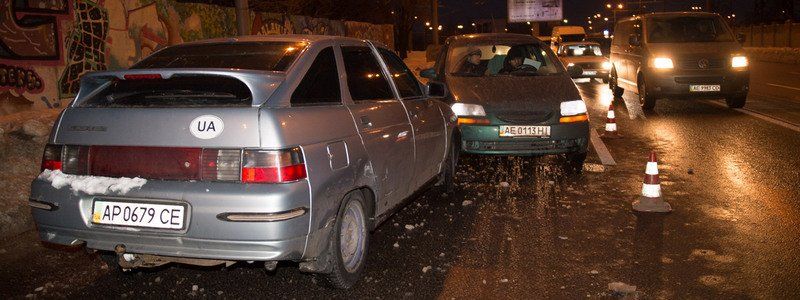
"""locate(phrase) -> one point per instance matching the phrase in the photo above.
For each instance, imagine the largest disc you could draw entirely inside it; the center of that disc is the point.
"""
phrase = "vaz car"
(679, 55)
(512, 97)
(248, 149)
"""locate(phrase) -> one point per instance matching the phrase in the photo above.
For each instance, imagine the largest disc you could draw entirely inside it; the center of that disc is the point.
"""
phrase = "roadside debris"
(623, 290)
(594, 168)
(426, 269)
(466, 203)
(504, 184)
(409, 227)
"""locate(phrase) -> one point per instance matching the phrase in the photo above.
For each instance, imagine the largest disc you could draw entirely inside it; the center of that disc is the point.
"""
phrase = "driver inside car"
(514, 62)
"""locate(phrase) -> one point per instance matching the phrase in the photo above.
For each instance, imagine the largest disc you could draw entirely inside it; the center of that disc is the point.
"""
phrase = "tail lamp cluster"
(230, 165)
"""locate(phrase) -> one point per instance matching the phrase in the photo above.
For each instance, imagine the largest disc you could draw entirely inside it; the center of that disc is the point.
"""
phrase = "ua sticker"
(206, 127)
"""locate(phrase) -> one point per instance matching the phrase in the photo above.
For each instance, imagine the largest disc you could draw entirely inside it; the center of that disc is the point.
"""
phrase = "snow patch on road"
(91, 184)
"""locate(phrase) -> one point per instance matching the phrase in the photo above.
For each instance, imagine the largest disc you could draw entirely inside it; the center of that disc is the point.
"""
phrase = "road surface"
(730, 175)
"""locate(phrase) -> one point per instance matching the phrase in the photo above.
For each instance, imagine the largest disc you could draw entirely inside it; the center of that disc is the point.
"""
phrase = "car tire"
(735, 101)
(446, 182)
(574, 162)
(349, 243)
(615, 89)
(648, 102)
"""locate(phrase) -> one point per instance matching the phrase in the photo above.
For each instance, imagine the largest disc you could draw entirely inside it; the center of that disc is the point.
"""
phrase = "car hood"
(514, 94)
(692, 49)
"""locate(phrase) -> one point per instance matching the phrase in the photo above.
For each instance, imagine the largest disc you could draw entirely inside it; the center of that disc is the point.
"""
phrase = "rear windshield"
(266, 56)
(687, 30)
(177, 91)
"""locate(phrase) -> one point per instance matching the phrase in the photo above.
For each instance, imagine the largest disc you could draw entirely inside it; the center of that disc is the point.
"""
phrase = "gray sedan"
(248, 149)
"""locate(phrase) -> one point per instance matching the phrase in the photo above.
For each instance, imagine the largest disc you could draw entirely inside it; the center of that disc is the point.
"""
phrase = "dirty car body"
(531, 109)
(249, 147)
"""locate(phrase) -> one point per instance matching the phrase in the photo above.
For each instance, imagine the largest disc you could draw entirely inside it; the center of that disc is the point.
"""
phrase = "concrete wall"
(772, 35)
(46, 45)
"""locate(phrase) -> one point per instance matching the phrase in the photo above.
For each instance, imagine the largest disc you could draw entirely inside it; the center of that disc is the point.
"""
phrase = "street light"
(427, 23)
(566, 21)
(620, 6)
(460, 26)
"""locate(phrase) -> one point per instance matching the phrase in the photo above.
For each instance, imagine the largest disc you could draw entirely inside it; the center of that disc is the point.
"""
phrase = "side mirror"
(436, 89)
(633, 39)
(429, 73)
(741, 38)
(575, 71)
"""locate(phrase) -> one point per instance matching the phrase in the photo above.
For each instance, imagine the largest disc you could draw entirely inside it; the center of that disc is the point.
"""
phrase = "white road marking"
(784, 86)
(762, 116)
(601, 149)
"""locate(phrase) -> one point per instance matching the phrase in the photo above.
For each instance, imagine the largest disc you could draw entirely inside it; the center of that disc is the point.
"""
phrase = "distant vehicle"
(679, 55)
(605, 42)
(244, 149)
(563, 34)
(512, 97)
(588, 57)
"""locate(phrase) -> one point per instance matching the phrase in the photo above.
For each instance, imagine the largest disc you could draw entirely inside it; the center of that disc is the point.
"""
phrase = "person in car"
(472, 64)
(514, 62)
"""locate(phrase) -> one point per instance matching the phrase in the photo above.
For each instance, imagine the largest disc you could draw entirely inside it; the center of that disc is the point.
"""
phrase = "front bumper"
(206, 235)
(676, 84)
(564, 138)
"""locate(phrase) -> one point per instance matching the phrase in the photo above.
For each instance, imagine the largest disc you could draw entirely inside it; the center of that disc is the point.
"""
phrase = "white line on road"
(784, 86)
(600, 148)
(761, 116)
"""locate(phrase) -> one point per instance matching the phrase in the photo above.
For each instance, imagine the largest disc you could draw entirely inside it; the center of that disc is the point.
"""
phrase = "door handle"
(365, 121)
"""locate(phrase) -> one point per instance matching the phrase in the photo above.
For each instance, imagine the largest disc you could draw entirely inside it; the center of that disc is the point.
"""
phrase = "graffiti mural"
(86, 45)
(20, 79)
(272, 23)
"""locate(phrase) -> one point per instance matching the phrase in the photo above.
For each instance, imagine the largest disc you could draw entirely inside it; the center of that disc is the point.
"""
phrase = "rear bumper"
(564, 138)
(676, 84)
(206, 234)
(593, 73)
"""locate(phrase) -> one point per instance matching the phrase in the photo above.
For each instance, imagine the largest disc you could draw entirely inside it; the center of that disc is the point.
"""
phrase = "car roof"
(309, 38)
(672, 14)
(485, 37)
(580, 43)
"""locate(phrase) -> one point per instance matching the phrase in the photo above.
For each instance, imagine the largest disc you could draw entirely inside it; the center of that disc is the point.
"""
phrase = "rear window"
(177, 91)
(266, 56)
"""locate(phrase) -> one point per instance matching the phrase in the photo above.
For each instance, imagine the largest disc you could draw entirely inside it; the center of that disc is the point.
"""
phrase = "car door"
(426, 119)
(619, 49)
(635, 53)
(382, 122)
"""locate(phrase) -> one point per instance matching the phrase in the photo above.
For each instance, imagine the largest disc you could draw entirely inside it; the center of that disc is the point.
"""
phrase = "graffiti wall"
(47, 45)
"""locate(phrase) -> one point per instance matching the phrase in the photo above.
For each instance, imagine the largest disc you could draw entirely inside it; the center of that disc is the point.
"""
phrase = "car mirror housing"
(436, 90)
(633, 39)
(429, 73)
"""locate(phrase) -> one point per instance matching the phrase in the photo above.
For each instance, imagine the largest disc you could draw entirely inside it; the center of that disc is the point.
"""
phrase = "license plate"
(524, 131)
(589, 72)
(704, 88)
(149, 215)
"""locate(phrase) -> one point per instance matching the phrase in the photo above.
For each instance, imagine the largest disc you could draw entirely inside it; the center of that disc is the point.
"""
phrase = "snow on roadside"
(91, 184)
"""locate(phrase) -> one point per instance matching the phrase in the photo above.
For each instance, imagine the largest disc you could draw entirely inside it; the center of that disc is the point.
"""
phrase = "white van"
(562, 34)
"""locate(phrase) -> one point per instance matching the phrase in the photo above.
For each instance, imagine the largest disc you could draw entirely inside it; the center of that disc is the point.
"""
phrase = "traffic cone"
(611, 124)
(651, 201)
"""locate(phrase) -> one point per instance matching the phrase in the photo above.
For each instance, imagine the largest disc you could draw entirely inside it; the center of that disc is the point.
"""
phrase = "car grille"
(528, 117)
(526, 145)
(699, 79)
(694, 63)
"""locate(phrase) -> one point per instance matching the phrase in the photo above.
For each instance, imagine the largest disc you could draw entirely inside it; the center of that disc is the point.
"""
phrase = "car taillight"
(75, 160)
(221, 164)
(273, 166)
(51, 159)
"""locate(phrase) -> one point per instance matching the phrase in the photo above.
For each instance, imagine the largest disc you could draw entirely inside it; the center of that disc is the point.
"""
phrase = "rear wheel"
(349, 241)
(736, 101)
(648, 102)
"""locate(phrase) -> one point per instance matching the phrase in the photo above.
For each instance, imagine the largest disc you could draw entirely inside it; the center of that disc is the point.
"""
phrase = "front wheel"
(615, 89)
(648, 102)
(348, 244)
(735, 101)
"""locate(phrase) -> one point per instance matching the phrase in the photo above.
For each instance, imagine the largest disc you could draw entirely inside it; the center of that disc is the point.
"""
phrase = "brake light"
(273, 166)
(51, 159)
(142, 76)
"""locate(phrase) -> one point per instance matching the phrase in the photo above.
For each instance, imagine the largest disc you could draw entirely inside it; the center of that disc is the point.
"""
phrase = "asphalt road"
(731, 178)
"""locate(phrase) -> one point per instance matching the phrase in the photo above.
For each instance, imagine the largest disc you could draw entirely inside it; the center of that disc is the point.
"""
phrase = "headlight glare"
(571, 108)
(607, 65)
(739, 62)
(663, 63)
(467, 110)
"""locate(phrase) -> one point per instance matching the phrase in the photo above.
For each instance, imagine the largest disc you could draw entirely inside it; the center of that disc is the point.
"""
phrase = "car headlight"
(468, 110)
(663, 63)
(607, 65)
(571, 108)
(739, 61)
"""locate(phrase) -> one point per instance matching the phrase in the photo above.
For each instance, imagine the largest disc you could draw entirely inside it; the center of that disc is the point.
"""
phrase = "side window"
(320, 85)
(407, 84)
(622, 33)
(364, 76)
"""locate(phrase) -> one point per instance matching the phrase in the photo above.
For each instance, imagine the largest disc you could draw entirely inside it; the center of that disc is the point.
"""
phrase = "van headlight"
(468, 110)
(662, 63)
(571, 108)
(607, 65)
(739, 61)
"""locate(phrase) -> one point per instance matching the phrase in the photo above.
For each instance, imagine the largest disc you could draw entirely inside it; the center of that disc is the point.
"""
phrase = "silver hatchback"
(248, 149)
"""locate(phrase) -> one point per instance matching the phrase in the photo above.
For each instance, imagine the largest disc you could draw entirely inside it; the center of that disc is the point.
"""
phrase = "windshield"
(265, 56)
(500, 59)
(580, 50)
(687, 30)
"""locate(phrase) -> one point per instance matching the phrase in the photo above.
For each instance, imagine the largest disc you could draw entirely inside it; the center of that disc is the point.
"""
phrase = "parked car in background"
(679, 55)
(265, 148)
(512, 97)
(588, 56)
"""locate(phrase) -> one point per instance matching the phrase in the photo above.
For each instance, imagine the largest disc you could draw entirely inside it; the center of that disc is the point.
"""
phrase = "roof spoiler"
(262, 84)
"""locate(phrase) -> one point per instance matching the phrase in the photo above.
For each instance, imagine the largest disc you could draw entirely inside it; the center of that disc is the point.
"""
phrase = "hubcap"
(352, 236)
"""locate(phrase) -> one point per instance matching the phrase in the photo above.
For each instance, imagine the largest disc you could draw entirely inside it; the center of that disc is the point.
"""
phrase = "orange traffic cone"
(651, 201)
(611, 123)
